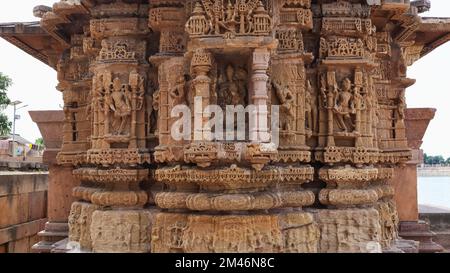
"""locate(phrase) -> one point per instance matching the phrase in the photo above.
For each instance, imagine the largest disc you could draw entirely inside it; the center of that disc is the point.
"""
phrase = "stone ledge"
(20, 231)
(13, 183)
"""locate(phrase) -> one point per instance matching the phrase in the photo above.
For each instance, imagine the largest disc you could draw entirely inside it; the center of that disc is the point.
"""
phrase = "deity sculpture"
(178, 93)
(240, 17)
(119, 103)
(310, 107)
(344, 107)
(155, 106)
(401, 107)
(286, 98)
(149, 106)
(232, 87)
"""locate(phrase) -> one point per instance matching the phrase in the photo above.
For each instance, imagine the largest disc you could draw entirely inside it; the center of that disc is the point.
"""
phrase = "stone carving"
(336, 70)
(286, 98)
(80, 220)
(232, 90)
(344, 106)
(311, 108)
(290, 40)
(349, 231)
(119, 102)
(294, 232)
(121, 231)
(116, 51)
(237, 17)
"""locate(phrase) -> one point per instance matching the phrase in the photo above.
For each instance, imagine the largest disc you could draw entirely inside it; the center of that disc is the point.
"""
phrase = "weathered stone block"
(19, 246)
(20, 231)
(300, 233)
(80, 220)
(349, 230)
(292, 232)
(121, 231)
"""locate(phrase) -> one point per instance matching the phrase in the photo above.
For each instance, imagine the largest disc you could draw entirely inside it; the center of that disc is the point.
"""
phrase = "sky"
(35, 82)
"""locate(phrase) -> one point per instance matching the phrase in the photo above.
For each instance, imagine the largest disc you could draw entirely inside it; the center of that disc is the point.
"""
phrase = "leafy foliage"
(435, 160)
(39, 142)
(5, 124)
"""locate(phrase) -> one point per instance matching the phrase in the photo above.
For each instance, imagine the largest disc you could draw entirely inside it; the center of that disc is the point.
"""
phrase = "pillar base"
(121, 231)
(349, 230)
(293, 232)
(52, 233)
(420, 231)
(403, 246)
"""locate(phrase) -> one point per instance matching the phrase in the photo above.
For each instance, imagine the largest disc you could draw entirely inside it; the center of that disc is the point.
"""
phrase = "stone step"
(46, 233)
(42, 247)
(443, 238)
(61, 246)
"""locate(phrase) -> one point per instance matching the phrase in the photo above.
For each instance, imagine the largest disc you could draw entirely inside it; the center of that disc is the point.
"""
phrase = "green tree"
(439, 159)
(426, 159)
(5, 124)
(39, 142)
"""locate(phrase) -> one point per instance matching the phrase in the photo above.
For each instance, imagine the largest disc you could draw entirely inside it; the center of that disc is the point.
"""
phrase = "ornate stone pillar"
(289, 76)
(167, 19)
(201, 66)
(110, 216)
(354, 172)
(259, 95)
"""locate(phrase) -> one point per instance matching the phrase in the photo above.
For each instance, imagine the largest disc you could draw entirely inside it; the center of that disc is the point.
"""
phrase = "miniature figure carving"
(119, 103)
(345, 106)
(235, 17)
(232, 86)
(178, 93)
(310, 108)
(401, 107)
(149, 108)
(287, 100)
(155, 105)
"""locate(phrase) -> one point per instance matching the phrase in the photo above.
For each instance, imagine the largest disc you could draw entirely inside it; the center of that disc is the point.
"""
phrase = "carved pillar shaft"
(259, 95)
(201, 65)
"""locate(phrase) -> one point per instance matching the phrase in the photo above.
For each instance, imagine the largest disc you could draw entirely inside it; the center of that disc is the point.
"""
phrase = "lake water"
(434, 191)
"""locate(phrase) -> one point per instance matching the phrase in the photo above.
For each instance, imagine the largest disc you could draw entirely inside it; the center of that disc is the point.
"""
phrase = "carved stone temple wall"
(336, 70)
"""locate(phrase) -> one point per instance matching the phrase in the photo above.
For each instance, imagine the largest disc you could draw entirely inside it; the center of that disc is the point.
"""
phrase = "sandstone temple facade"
(336, 69)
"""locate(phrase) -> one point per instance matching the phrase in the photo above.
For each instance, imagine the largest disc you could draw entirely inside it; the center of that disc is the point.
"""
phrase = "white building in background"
(24, 148)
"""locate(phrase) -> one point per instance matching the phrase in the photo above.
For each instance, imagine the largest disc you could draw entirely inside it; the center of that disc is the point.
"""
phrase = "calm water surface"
(434, 191)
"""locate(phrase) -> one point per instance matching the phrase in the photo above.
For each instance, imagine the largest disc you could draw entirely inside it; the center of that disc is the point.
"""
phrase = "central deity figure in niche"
(344, 106)
(119, 103)
(232, 90)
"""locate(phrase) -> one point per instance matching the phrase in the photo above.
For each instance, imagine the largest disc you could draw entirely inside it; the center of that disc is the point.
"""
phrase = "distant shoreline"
(433, 171)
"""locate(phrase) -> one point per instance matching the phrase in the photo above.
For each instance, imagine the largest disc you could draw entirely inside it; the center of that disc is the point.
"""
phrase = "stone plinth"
(289, 233)
(439, 220)
(61, 181)
(405, 182)
(405, 177)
